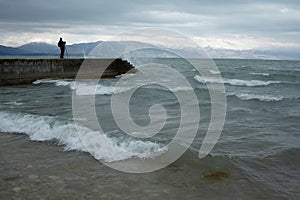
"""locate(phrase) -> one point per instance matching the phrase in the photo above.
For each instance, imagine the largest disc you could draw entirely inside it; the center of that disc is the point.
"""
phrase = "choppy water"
(257, 155)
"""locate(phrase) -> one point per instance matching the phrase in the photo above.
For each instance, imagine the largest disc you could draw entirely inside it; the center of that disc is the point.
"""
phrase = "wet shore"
(42, 170)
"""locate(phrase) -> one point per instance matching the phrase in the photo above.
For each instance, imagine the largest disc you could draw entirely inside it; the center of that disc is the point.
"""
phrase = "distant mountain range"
(113, 48)
(45, 49)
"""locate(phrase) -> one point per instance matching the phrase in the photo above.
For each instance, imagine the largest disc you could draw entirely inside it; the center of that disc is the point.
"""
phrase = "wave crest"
(102, 147)
(86, 89)
(245, 96)
(259, 74)
(235, 82)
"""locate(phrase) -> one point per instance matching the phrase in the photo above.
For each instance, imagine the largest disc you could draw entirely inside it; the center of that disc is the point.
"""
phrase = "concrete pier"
(25, 71)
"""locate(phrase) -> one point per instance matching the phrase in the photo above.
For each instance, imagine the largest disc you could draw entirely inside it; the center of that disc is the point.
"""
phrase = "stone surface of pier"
(25, 71)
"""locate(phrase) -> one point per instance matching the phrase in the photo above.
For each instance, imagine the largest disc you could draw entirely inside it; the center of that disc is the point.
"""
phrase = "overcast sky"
(231, 24)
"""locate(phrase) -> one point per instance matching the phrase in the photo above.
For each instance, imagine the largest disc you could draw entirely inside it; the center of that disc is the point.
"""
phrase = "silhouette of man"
(62, 46)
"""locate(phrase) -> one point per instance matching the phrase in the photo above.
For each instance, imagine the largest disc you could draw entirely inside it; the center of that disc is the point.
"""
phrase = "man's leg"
(62, 51)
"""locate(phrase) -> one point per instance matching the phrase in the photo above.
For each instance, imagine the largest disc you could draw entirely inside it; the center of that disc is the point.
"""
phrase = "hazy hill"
(50, 49)
(113, 49)
(10, 51)
(39, 47)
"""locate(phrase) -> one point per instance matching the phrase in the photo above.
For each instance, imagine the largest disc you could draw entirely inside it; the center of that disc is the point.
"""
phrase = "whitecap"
(84, 88)
(214, 72)
(246, 96)
(260, 74)
(13, 103)
(57, 82)
(102, 147)
(235, 82)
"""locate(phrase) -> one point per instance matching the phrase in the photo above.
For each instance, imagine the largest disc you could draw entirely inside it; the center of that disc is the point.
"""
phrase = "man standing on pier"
(62, 46)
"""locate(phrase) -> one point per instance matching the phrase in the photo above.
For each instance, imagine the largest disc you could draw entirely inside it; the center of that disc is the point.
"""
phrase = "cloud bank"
(233, 24)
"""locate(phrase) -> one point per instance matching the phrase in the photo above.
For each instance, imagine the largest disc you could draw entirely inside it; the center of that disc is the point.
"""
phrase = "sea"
(257, 155)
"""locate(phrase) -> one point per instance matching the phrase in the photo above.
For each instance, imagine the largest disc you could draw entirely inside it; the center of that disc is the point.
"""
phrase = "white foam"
(57, 82)
(82, 88)
(235, 82)
(102, 147)
(173, 89)
(178, 89)
(249, 82)
(214, 72)
(260, 74)
(13, 103)
(245, 96)
(85, 89)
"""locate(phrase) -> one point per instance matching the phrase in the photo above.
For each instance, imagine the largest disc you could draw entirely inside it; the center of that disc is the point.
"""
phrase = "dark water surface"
(256, 157)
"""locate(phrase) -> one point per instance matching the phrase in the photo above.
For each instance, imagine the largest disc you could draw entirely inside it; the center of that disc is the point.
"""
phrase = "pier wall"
(25, 71)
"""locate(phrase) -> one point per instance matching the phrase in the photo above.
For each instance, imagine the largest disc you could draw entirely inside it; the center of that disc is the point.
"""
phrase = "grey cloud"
(277, 19)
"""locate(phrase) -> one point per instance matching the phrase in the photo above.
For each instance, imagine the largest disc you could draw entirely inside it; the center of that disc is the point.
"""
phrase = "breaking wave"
(14, 103)
(86, 89)
(245, 96)
(46, 128)
(260, 74)
(236, 82)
